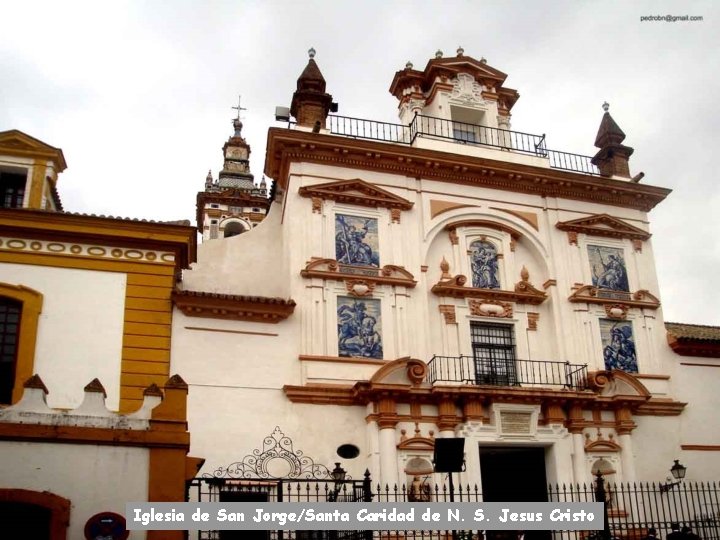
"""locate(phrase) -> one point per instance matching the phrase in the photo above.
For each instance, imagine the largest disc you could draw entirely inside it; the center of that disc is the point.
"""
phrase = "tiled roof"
(693, 331)
(237, 297)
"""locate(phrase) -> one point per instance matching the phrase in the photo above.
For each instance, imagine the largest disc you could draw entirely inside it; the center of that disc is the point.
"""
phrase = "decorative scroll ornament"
(277, 459)
(490, 308)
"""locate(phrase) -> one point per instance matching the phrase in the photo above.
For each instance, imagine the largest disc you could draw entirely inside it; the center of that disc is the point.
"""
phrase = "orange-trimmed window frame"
(32, 302)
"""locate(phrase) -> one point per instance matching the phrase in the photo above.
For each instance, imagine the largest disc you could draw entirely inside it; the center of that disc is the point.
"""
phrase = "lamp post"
(338, 476)
(678, 471)
(601, 496)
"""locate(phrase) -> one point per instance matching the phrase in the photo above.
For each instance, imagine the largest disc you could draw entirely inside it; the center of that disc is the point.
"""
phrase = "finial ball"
(311, 52)
(606, 106)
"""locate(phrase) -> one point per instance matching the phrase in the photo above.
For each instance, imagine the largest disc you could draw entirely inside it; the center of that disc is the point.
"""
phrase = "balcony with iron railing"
(470, 370)
(429, 127)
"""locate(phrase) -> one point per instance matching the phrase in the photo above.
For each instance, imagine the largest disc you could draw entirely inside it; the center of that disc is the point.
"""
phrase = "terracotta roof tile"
(693, 331)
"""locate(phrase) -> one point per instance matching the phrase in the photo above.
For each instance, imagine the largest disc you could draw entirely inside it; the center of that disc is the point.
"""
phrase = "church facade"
(445, 277)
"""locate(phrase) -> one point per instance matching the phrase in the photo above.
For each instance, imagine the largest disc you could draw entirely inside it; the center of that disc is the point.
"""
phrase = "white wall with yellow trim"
(80, 331)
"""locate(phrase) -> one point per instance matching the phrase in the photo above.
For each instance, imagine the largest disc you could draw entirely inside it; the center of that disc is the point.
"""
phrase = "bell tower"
(232, 204)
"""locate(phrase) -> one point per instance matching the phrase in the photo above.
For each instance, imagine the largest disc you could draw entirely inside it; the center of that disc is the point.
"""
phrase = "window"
(214, 206)
(20, 309)
(12, 189)
(463, 132)
(10, 311)
(493, 348)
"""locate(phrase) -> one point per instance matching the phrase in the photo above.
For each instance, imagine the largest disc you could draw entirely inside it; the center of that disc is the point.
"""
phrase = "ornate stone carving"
(600, 444)
(616, 311)
(637, 245)
(317, 205)
(532, 319)
(395, 215)
(417, 441)
(466, 89)
(490, 308)
(360, 287)
(572, 238)
(452, 233)
(448, 312)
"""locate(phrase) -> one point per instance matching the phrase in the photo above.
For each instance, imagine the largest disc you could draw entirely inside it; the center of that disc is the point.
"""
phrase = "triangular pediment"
(604, 225)
(467, 64)
(16, 143)
(357, 192)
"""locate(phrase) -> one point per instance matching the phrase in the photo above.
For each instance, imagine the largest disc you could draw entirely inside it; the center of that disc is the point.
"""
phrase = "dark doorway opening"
(244, 496)
(33, 521)
(514, 474)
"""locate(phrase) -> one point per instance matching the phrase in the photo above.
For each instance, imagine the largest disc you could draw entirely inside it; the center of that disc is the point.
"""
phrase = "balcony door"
(493, 347)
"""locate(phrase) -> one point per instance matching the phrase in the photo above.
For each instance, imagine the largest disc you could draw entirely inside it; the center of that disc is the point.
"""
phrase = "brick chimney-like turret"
(310, 103)
(613, 157)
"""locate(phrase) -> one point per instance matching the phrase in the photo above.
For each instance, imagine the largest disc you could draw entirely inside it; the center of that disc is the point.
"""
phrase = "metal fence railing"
(460, 132)
(506, 372)
(631, 509)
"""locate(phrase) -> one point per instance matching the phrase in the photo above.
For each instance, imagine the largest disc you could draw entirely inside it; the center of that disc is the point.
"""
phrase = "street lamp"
(678, 471)
(338, 476)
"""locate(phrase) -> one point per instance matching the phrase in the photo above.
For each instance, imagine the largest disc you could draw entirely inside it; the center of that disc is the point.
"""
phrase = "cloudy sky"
(139, 94)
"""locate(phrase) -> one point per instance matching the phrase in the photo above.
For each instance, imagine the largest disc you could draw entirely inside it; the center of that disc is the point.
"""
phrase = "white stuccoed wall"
(80, 329)
(94, 478)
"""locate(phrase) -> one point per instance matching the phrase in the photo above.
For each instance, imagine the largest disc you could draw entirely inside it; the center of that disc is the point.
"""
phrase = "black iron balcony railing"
(460, 132)
(474, 134)
(572, 162)
(506, 372)
(369, 129)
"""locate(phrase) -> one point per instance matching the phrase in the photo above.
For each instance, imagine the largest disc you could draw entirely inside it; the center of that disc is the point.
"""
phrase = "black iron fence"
(631, 508)
(634, 508)
(506, 372)
(460, 132)
(572, 162)
(369, 129)
(474, 134)
(279, 490)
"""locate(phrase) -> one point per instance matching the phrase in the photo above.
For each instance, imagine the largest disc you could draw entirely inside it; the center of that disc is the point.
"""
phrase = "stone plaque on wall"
(516, 422)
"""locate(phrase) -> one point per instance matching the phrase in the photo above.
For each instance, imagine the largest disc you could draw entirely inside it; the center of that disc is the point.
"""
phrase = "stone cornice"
(524, 292)
(593, 295)
(286, 146)
(604, 225)
(387, 275)
(106, 231)
(356, 192)
(233, 307)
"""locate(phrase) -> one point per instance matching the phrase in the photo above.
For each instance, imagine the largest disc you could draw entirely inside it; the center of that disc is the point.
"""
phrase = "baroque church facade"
(444, 277)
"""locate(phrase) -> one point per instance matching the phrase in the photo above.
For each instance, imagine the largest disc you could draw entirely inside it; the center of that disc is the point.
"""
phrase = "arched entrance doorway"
(40, 516)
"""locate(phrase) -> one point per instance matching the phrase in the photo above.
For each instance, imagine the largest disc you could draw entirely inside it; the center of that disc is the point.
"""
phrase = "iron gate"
(279, 490)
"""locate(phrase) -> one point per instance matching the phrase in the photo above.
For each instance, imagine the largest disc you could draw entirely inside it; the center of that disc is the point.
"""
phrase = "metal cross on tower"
(239, 107)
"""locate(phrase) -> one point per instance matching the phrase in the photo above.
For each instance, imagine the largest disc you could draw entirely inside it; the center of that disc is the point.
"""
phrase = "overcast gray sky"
(139, 94)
